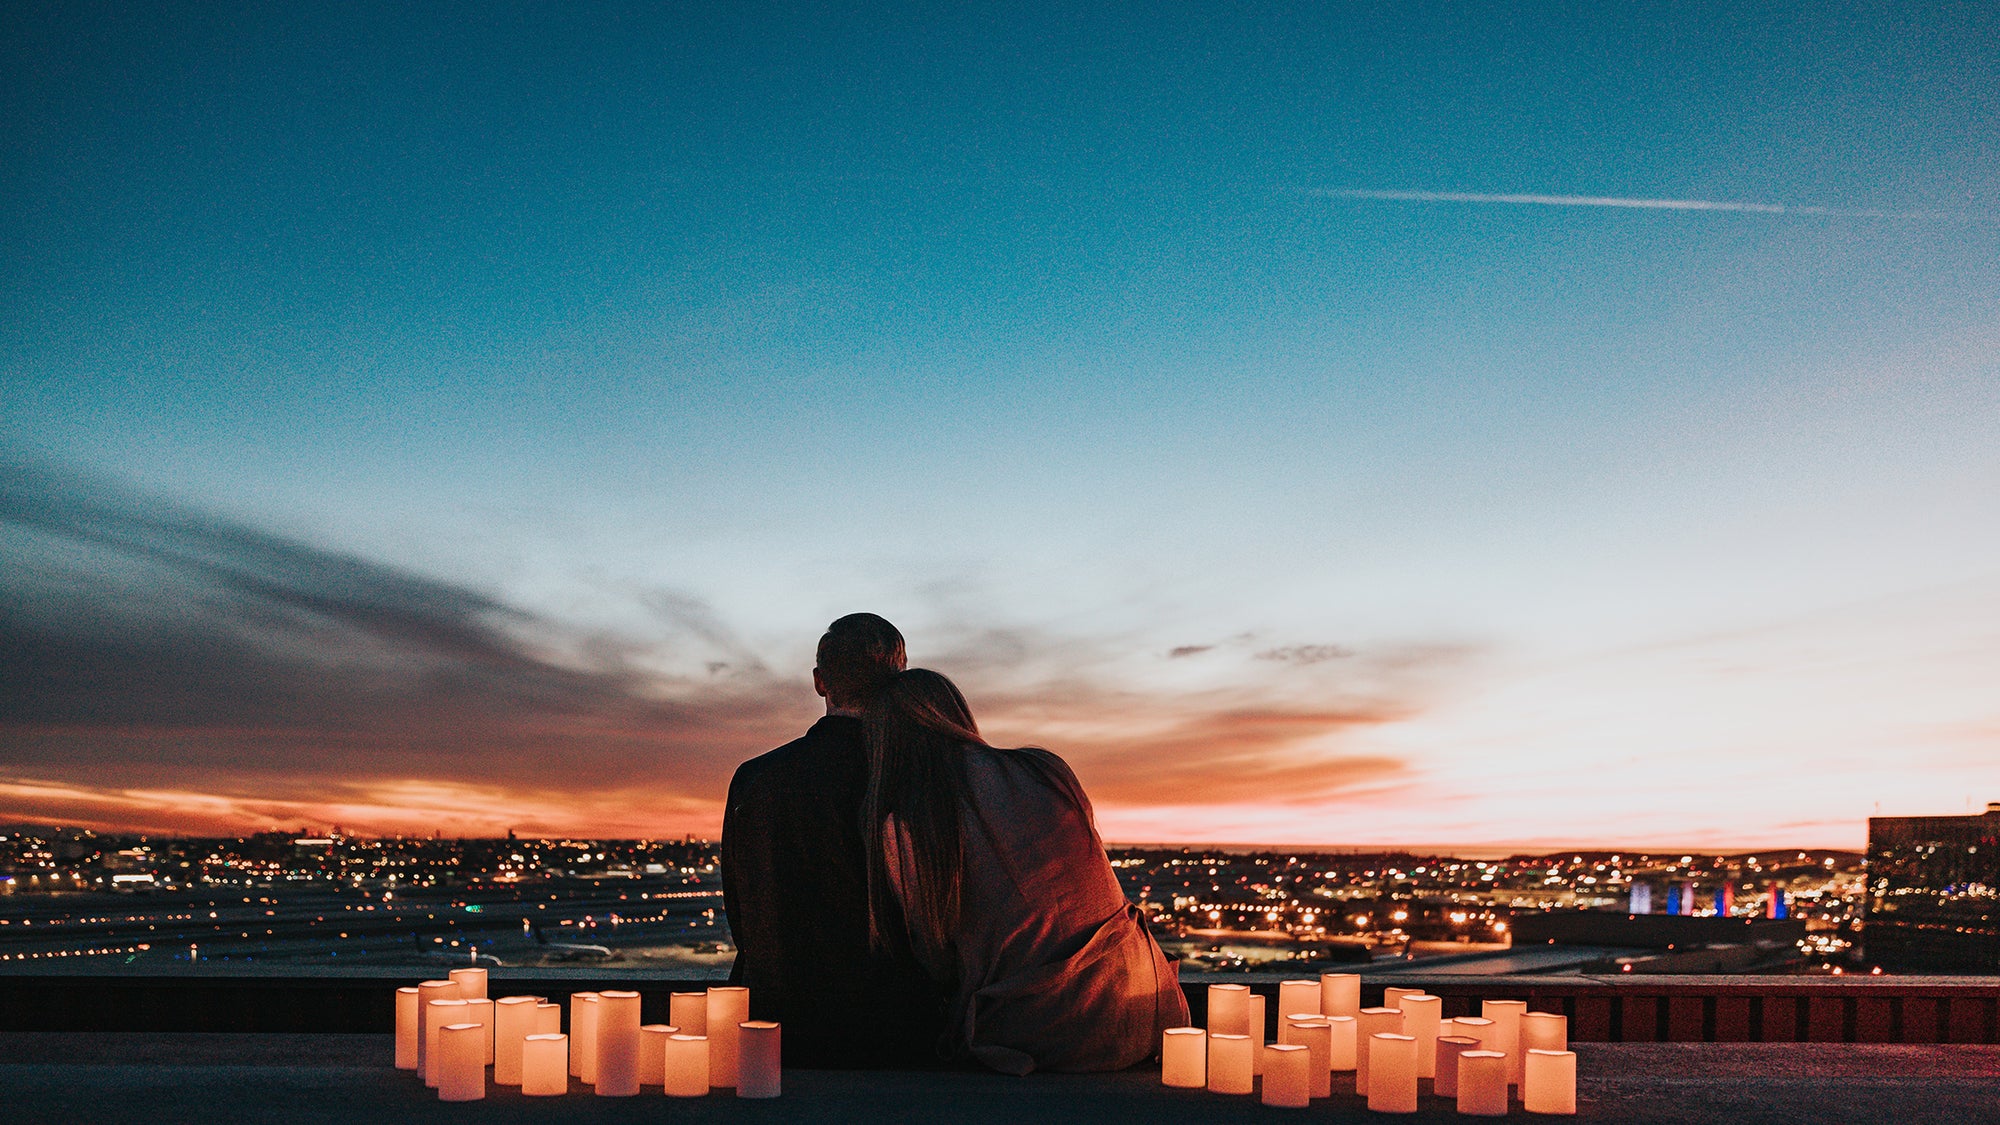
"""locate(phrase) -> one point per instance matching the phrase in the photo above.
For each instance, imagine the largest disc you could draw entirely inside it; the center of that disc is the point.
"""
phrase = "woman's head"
(925, 702)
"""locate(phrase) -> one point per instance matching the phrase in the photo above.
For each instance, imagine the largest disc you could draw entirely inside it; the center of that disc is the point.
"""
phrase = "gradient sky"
(1411, 424)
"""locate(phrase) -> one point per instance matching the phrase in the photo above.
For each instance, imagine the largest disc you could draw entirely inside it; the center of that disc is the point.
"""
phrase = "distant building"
(1934, 892)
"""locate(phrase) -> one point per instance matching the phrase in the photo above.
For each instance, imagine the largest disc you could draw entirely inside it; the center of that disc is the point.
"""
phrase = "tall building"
(1934, 892)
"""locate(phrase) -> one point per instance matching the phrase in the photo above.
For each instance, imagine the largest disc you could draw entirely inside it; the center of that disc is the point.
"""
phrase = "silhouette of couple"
(903, 894)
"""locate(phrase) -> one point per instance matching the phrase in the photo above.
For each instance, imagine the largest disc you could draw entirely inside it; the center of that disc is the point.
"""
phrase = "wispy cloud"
(164, 669)
(1533, 199)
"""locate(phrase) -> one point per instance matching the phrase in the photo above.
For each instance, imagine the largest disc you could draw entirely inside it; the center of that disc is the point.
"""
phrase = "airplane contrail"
(1539, 200)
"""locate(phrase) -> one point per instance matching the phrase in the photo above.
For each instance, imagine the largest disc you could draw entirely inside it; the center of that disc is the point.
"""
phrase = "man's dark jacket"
(795, 885)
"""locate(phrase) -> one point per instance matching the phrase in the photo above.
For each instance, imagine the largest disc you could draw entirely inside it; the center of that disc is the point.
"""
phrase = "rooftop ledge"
(1627, 1008)
(224, 1079)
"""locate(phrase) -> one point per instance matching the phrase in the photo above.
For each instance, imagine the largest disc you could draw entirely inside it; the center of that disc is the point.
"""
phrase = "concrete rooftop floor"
(218, 1079)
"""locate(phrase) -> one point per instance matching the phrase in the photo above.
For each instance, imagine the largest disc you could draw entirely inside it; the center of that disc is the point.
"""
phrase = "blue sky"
(643, 342)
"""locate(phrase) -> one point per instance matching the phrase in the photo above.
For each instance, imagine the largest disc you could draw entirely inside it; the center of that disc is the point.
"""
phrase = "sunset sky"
(1425, 424)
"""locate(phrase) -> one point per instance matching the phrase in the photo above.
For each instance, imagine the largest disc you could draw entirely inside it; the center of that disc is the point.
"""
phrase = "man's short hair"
(857, 655)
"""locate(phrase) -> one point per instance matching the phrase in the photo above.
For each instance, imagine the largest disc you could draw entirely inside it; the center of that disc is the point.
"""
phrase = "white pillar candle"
(689, 1012)
(1184, 1057)
(1482, 1083)
(1343, 1050)
(1544, 1031)
(728, 1006)
(1449, 1047)
(1475, 1027)
(1392, 996)
(1339, 994)
(617, 1044)
(653, 1052)
(406, 1028)
(513, 1021)
(545, 1065)
(461, 1063)
(471, 983)
(1549, 1082)
(548, 1021)
(1229, 1009)
(1421, 1018)
(1287, 1076)
(758, 1066)
(426, 992)
(437, 1013)
(686, 1066)
(1505, 1035)
(1229, 1065)
(1315, 1034)
(1296, 996)
(583, 1035)
(480, 1011)
(1372, 1022)
(1253, 1020)
(1392, 1073)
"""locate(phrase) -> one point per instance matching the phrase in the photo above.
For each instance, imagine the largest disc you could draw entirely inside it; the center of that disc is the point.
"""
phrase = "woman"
(985, 863)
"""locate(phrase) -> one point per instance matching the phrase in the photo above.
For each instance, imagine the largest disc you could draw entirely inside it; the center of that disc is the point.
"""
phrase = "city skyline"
(1490, 428)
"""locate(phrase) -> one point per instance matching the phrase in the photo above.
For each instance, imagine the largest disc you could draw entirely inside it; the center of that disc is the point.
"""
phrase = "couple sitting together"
(903, 894)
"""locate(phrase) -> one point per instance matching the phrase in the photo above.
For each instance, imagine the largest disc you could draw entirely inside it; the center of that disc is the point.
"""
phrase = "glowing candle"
(406, 1028)
(1229, 1009)
(426, 992)
(757, 1059)
(1549, 1082)
(480, 1011)
(653, 1052)
(617, 1044)
(548, 1021)
(1372, 1022)
(1544, 1031)
(1315, 1034)
(545, 1065)
(1449, 1047)
(1254, 1027)
(471, 983)
(728, 1006)
(1229, 1065)
(437, 1013)
(461, 1063)
(513, 1021)
(1475, 1027)
(1392, 1073)
(1343, 1050)
(583, 1035)
(686, 1066)
(689, 1012)
(1287, 1076)
(1392, 996)
(1482, 1083)
(1296, 996)
(1339, 994)
(1184, 1057)
(1421, 1018)
(1505, 1035)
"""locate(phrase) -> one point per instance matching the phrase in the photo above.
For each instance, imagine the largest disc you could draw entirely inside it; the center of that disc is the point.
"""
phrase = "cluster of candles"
(1324, 1031)
(450, 1033)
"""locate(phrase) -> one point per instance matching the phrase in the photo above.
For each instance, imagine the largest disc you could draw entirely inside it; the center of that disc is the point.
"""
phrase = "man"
(795, 879)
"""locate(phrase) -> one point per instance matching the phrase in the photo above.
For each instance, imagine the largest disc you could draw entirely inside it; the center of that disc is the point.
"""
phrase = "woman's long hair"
(918, 729)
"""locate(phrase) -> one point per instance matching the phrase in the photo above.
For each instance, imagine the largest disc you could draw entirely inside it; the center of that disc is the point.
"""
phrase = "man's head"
(856, 655)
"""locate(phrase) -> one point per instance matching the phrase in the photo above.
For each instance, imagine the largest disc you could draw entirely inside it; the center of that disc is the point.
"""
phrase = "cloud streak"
(166, 670)
(145, 648)
(1533, 199)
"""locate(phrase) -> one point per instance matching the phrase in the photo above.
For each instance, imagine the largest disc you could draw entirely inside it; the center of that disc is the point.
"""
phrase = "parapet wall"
(1628, 1009)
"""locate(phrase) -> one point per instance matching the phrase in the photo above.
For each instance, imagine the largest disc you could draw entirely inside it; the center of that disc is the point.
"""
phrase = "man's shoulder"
(831, 744)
